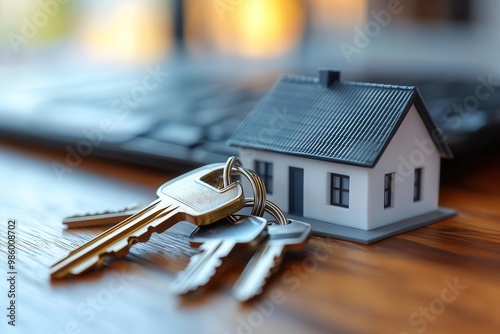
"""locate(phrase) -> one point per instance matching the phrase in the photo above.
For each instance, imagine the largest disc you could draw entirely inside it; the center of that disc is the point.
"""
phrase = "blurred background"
(65, 65)
(296, 32)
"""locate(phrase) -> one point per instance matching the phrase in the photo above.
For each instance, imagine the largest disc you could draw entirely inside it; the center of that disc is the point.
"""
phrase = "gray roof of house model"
(327, 119)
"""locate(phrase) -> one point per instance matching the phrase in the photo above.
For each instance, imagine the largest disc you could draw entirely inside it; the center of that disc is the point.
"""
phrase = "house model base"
(325, 229)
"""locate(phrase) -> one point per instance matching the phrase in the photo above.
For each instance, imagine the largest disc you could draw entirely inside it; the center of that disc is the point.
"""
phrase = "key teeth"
(247, 296)
(180, 289)
(102, 258)
(192, 261)
(105, 212)
(80, 270)
(94, 253)
(207, 277)
(176, 284)
(243, 297)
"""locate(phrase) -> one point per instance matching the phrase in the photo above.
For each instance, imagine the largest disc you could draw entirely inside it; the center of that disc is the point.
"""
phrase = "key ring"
(259, 202)
(273, 210)
(259, 190)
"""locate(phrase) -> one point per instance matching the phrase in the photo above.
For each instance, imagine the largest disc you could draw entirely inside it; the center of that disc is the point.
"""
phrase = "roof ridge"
(300, 78)
(379, 85)
(350, 122)
(307, 79)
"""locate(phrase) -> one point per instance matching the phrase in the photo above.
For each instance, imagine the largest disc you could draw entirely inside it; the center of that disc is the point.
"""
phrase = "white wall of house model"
(411, 147)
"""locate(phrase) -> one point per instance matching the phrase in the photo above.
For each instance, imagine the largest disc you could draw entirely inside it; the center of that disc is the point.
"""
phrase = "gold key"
(188, 197)
(110, 217)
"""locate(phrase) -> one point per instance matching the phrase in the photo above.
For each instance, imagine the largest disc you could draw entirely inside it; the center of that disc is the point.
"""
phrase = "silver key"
(268, 256)
(217, 241)
(110, 217)
(186, 198)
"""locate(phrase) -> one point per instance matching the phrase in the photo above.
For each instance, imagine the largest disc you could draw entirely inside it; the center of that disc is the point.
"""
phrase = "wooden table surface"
(444, 278)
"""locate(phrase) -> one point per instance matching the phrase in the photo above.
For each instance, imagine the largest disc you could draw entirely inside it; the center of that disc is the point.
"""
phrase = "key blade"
(266, 260)
(101, 218)
(180, 285)
(205, 269)
(209, 267)
(218, 239)
(115, 242)
(262, 264)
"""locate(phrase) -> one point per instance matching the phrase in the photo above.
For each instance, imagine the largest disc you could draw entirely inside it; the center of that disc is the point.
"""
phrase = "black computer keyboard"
(468, 115)
(185, 120)
(181, 123)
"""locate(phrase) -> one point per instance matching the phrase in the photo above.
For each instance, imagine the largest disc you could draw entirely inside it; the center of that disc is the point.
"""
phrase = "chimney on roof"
(328, 77)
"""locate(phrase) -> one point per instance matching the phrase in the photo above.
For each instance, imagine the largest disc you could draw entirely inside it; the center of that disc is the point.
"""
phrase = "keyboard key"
(208, 116)
(156, 148)
(220, 147)
(180, 134)
(202, 156)
(75, 120)
(223, 130)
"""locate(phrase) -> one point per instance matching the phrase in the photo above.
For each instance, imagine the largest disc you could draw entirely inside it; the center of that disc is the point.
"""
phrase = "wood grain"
(398, 285)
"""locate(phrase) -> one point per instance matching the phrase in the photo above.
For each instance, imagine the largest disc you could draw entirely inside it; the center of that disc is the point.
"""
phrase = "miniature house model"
(359, 161)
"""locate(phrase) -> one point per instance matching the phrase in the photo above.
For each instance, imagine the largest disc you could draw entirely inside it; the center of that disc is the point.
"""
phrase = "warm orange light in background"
(264, 28)
(132, 31)
(249, 28)
(140, 31)
(338, 13)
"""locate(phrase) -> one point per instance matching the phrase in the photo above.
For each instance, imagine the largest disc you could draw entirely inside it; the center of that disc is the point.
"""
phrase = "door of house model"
(296, 191)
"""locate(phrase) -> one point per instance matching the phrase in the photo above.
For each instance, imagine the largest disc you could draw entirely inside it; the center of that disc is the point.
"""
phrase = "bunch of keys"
(199, 198)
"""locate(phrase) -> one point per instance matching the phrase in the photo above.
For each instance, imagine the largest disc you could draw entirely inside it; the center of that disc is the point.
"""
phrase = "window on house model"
(265, 171)
(417, 185)
(388, 188)
(339, 185)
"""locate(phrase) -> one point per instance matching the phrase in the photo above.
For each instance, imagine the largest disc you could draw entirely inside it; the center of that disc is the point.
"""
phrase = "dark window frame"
(417, 185)
(388, 190)
(265, 171)
(343, 190)
(296, 191)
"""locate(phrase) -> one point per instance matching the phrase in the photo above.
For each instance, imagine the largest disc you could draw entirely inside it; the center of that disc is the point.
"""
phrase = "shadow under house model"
(358, 161)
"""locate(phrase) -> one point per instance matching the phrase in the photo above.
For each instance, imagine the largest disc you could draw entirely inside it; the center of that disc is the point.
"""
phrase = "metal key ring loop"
(259, 190)
(273, 210)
